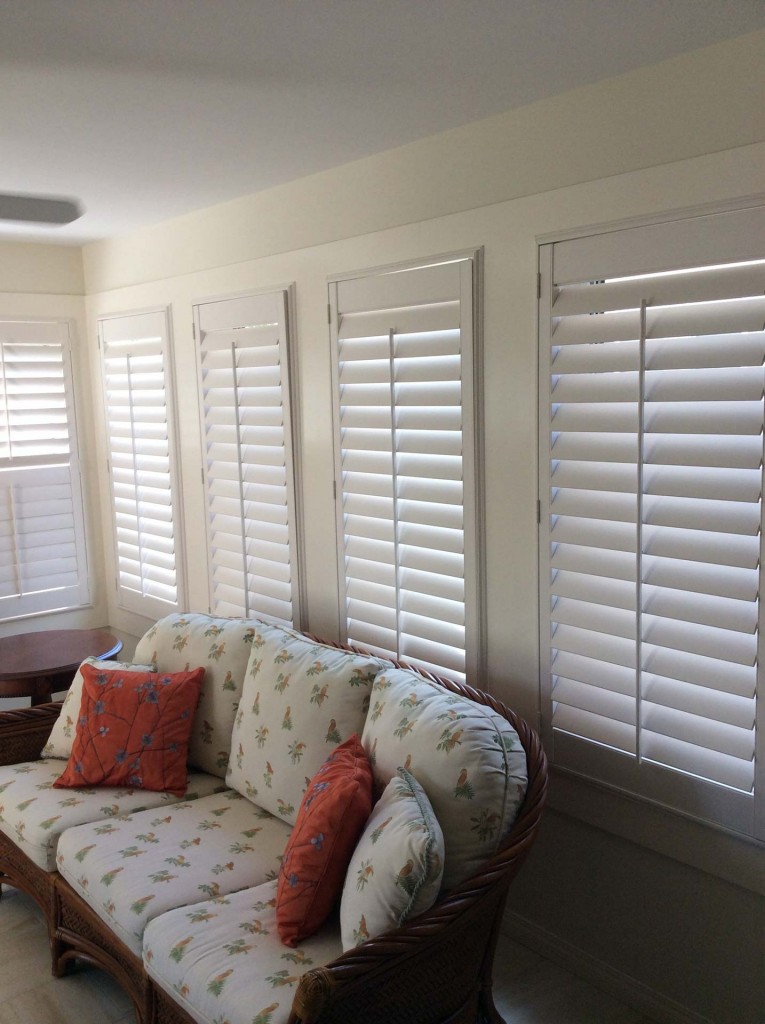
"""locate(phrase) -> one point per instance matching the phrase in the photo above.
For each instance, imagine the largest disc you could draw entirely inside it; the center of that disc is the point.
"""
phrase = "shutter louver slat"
(655, 423)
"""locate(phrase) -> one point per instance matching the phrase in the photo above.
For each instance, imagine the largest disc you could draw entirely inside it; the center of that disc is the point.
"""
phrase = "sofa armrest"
(25, 731)
(438, 966)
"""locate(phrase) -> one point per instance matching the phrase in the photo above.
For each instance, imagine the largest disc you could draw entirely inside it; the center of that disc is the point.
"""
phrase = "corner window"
(43, 565)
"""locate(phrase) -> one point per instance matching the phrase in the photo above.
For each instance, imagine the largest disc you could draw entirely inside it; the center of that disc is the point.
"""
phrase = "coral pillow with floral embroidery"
(133, 729)
(333, 813)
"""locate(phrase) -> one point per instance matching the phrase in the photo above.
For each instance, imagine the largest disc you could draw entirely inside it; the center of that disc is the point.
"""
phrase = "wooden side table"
(37, 665)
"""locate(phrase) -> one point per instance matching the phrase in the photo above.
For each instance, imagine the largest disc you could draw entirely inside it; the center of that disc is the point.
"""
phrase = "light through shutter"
(43, 565)
(405, 464)
(652, 454)
(245, 399)
(142, 461)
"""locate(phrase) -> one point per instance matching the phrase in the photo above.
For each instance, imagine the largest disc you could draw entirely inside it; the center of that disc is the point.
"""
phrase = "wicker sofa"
(175, 897)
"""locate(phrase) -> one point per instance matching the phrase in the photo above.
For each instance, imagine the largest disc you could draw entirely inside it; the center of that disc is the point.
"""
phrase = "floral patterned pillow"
(396, 870)
(62, 734)
(467, 758)
(300, 700)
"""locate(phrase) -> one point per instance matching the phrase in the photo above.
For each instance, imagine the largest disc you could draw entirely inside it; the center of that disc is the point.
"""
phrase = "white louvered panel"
(244, 387)
(42, 543)
(399, 390)
(141, 449)
(697, 499)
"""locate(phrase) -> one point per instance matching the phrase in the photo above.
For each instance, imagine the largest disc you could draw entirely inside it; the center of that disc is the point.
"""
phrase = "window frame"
(471, 304)
(285, 297)
(65, 328)
(127, 599)
(690, 227)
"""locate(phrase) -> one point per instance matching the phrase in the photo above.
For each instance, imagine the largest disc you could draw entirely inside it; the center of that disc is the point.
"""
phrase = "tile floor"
(528, 988)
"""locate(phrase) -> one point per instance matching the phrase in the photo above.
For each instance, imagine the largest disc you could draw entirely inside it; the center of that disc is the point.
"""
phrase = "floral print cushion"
(468, 759)
(34, 814)
(301, 699)
(133, 869)
(223, 962)
(179, 642)
(62, 734)
(395, 872)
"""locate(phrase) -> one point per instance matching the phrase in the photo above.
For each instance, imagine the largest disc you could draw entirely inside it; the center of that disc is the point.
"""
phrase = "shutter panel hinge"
(194, 330)
(334, 489)
(539, 511)
(329, 314)
(539, 284)
(202, 474)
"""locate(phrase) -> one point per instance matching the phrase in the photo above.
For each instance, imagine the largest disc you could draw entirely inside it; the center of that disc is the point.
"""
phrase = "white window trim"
(66, 327)
(145, 605)
(286, 297)
(472, 380)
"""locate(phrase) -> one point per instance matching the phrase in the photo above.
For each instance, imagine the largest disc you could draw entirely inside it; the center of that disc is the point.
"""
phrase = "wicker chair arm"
(452, 931)
(25, 731)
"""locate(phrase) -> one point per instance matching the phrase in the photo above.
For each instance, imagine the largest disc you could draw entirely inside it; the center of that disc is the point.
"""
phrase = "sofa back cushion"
(61, 737)
(467, 758)
(300, 700)
(179, 642)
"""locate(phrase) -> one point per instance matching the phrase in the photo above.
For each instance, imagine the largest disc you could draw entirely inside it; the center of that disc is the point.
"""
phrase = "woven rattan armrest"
(25, 731)
(437, 967)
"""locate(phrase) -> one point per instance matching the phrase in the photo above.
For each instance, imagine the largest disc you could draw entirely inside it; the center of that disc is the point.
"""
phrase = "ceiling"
(147, 109)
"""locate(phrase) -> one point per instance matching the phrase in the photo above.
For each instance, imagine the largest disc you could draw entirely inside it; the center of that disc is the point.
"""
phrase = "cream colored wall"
(688, 132)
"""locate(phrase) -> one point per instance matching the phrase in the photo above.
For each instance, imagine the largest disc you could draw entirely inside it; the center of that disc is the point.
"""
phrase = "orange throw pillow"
(333, 813)
(133, 729)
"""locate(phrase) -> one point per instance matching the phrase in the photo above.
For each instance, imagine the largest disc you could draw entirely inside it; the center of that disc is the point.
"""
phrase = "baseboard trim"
(623, 986)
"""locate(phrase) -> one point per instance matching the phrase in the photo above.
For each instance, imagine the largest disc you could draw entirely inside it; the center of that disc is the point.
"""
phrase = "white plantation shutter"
(142, 461)
(406, 467)
(249, 478)
(652, 413)
(43, 565)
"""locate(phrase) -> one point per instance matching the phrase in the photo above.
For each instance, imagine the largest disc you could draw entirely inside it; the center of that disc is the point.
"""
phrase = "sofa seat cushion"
(222, 960)
(34, 814)
(179, 642)
(170, 858)
(301, 699)
(468, 759)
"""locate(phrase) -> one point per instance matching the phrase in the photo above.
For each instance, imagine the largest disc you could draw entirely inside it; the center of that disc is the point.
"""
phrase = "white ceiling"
(147, 109)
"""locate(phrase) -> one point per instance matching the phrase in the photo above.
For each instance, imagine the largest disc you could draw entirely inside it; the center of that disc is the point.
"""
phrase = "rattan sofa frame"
(436, 969)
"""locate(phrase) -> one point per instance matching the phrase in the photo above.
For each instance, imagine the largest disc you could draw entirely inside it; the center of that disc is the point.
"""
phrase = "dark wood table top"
(50, 651)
